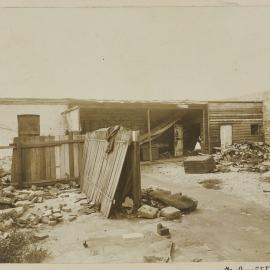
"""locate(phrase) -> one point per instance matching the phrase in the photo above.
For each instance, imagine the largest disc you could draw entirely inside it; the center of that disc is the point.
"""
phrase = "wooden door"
(178, 140)
(225, 136)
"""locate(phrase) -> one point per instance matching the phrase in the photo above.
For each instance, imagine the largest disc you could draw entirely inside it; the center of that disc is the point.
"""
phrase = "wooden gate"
(107, 177)
(46, 159)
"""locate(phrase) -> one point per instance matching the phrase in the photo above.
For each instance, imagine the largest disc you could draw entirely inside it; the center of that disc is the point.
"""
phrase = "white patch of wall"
(72, 120)
(51, 121)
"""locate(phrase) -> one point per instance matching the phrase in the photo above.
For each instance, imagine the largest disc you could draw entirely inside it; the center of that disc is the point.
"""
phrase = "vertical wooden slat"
(26, 161)
(57, 159)
(135, 166)
(19, 164)
(62, 159)
(149, 133)
(42, 158)
(71, 157)
(67, 165)
(76, 156)
(47, 151)
(14, 162)
(52, 158)
(204, 131)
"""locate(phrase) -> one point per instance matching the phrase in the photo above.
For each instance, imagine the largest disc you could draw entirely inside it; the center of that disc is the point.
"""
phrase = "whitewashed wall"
(72, 120)
(51, 121)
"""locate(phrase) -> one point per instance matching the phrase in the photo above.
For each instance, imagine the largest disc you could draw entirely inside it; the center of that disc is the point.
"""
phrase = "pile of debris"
(249, 156)
(14, 205)
(162, 203)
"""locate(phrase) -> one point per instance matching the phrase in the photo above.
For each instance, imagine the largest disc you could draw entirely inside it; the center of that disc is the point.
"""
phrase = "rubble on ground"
(249, 156)
(147, 211)
(170, 213)
(162, 230)
(17, 206)
(161, 198)
(265, 177)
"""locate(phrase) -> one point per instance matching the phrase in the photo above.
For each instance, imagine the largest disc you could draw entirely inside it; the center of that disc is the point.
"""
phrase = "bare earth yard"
(230, 223)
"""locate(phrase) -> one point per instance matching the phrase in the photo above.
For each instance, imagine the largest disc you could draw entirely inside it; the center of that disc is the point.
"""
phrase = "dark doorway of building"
(191, 135)
(162, 147)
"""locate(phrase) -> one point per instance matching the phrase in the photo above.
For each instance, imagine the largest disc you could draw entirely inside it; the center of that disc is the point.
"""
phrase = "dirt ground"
(230, 224)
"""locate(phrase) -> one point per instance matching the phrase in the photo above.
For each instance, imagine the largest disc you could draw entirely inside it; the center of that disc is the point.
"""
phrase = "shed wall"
(238, 114)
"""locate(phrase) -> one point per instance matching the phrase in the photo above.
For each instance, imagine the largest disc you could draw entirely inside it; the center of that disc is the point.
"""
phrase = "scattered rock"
(170, 213)
(23, 197)
(8, 223)
(34, 200)
(86, 211)
(25, 204)
(7, 213)
(66, 209)
(64, 196)
(57, 216)
(177, 200)
(9, 189)
(40, 236)
(19, 211)
(34, 187)
(45, 220)
(34, 218)
(7, 201)
(133, 236)
(197, 260)
(52, 222)
(265, 177)
(163, 231)
(128, 203)
(147, 211)
(72, 218)
(61, 205)
(53, 191)
(47, 213)
(23, 220)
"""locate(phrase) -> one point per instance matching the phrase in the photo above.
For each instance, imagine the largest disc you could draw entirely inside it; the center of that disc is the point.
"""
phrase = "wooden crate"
(199, 164)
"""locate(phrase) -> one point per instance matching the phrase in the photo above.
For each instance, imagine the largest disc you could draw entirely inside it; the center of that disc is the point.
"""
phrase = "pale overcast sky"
(134, 53)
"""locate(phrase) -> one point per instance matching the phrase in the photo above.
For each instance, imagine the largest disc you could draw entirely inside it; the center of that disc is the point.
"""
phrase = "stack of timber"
(199, 164)
(108, 178)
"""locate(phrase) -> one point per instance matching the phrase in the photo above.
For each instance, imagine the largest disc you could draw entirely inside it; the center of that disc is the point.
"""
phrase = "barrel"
(28, 125)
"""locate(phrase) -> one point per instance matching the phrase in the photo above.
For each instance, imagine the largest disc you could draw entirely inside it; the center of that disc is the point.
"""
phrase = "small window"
(254, 129)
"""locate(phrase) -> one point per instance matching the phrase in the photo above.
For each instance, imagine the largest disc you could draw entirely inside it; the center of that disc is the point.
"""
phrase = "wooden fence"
(107, 178)
(46, 159)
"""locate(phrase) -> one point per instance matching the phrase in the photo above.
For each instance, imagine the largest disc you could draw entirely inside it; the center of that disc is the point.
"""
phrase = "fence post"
(19, 164)
(136, 172)
(71, 156)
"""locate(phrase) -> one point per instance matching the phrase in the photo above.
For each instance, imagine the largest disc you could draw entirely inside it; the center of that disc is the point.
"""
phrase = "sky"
(156, 53)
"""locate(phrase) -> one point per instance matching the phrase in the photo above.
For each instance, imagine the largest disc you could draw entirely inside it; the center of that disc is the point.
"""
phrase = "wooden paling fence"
(107, 178)
(46, 159)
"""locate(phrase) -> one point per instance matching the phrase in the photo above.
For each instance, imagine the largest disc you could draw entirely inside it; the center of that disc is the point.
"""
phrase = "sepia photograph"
(135, 132)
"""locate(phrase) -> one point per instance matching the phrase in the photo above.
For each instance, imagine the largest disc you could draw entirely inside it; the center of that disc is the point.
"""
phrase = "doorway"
(225, 136)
